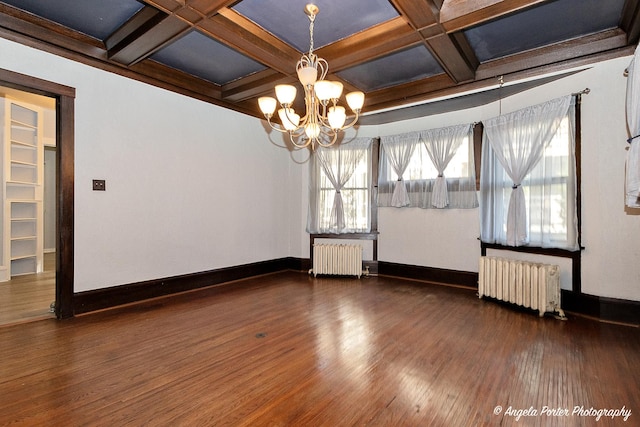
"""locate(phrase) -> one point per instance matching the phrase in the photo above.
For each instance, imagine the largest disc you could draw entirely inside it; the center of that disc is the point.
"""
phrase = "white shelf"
(23, 162)
(24, 153)
(23, 248)
(30, 145)
(13, 239)
(19, 191)
(22, 266)
(23, 230)
(21, 136)
(19, 257)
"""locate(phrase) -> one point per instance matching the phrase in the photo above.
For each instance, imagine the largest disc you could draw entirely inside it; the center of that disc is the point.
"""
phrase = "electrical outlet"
(99, 185)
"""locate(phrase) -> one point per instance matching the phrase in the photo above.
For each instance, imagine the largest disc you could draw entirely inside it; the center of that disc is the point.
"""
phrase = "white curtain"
(421, 157)
(442, 144)
(399, 149)
(518, 140)
(632, 190)
(338, 165)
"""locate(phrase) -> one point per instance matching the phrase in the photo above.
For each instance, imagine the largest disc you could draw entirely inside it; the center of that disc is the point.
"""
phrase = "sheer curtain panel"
(514, 145)
(442, 144)
(339, 188)
(428, 169)
(632, 190)
(398, 150)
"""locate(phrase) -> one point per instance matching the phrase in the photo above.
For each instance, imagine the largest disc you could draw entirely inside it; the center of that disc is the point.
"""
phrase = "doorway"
(59, 264)
(28, 294)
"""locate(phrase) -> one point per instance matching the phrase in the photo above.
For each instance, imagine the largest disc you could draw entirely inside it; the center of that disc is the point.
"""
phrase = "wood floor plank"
(28, 297)
(292, 350)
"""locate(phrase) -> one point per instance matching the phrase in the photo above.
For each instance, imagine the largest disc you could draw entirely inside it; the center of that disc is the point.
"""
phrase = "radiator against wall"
(337, 259)
(524, 283)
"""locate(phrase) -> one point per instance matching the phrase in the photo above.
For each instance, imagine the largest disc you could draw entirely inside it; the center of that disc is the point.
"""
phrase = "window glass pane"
(548, 190)
(421, 167)
(355, 198)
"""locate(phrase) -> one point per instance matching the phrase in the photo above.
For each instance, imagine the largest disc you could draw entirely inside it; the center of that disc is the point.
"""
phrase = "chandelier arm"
(330, 134)
(293, 141)
(323, 112)
(353, 122)
(308, 111)
(298, 132)
(273, 126)
(323, 65)
(286, 108)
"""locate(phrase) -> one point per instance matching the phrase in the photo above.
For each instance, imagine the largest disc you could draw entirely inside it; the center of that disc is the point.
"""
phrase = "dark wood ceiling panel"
(255, 85)
(583, 47)
(367, 45)
(457, 15)
(145, 18)
(451, 58)
(446, 28)
(422, 15)
(418, 13)
(630, 22)
(209, 7)
(233, 29)
(147, 38)
(408, 93)
(168, 6)
(44, 31)
(175, 78)
(189, 15)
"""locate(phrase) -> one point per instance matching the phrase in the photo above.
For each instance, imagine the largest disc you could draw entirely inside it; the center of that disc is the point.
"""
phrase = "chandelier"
(324, 118)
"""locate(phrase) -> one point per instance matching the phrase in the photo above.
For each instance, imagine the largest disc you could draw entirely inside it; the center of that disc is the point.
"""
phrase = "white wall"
(185, 194)
(190, 186)
(610, 234)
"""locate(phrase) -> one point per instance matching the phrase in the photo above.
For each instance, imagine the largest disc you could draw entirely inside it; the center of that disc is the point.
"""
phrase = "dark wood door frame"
(65, 102)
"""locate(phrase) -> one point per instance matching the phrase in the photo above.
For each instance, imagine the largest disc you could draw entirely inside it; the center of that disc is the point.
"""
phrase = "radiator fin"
(337, 259)
(528, 284)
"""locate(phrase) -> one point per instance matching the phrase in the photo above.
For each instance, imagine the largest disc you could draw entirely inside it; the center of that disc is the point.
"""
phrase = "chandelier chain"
(312, 19)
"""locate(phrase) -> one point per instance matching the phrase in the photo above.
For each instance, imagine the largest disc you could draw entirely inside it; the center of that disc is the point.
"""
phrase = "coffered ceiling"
(399, 52)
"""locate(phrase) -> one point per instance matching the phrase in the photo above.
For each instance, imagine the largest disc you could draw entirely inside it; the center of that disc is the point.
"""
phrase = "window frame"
(574, 255)
(372, 212)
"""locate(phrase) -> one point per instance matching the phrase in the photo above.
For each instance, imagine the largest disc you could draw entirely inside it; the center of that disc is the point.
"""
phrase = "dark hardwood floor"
(290, 350)
(29, 297)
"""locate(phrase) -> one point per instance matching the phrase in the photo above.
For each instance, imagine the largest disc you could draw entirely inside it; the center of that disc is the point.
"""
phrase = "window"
(548, 189)
(410, 175)
(340, 189)
(421, 168)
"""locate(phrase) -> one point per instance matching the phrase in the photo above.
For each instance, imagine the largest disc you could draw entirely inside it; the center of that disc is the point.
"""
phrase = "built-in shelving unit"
(22, 220)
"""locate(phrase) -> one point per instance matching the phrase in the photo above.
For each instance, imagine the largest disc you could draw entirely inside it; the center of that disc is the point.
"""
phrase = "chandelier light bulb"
(289, 119)
(286, 94)
(312, 130)
(337, 117)
(323, 90)
(307, 75)
(336, 90)
(267, 105)
(355, 100)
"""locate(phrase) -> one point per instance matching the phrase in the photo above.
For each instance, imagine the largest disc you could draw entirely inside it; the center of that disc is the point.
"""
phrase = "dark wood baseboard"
(601, 308)
(605, 309)
(99, 299)
(429, 274)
